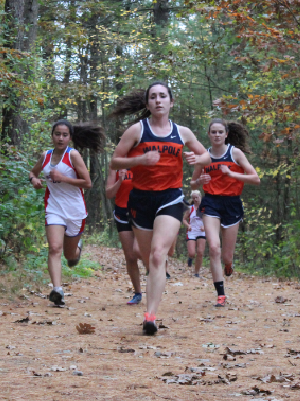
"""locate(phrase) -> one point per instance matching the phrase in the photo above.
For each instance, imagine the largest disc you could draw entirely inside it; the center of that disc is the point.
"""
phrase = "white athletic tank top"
(196, 223)
(61, 198)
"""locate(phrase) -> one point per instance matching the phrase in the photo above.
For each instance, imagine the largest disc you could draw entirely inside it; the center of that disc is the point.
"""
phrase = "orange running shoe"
(228, 270)
(149, 325)
(221, 301)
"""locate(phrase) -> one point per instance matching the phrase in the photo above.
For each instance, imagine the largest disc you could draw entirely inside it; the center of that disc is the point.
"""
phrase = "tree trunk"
(21, 16)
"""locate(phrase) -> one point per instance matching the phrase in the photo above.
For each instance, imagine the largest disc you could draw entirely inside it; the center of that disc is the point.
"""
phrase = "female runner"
(223, 181)
(66, 175)
(119, 185)
(152, 149)
(195, 235)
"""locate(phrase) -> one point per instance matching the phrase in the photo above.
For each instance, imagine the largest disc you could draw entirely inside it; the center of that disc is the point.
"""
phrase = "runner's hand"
(190, 157)
(150, 158)
(203, 179)
(37, 183)
(122, 174)
(225, 170)
(56, 175)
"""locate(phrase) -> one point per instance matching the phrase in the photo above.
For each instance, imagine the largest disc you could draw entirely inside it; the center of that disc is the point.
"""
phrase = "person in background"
(195, 235)
(66, 175)
(223, 181)
(153, 149)
(118, 186)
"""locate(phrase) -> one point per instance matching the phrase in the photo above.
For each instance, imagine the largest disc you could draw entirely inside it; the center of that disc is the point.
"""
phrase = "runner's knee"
(55, 250)
(214, 250)
(158, 256)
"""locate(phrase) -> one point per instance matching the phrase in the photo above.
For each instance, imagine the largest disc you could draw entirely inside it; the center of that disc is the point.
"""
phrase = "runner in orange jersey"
(223, 181)
(119, 185)
(152, 149)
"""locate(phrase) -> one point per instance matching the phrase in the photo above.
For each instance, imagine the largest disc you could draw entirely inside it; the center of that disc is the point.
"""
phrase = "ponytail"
(84, 136)
(133, 103)
(136, 102)
(88, 137)
(237, 134)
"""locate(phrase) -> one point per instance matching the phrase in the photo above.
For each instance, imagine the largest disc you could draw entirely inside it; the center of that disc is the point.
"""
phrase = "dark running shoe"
(57, 297)
(228, 270)
(221, 301)
(74, 262)
(149, 325)
(196, 275)
(136, 299)
(168, 275)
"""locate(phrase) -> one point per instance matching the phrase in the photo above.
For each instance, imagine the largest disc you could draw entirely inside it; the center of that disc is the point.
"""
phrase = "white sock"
(57, 289)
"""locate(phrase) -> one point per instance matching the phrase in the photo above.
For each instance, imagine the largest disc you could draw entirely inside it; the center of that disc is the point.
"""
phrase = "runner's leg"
(55, 236)
(229, 237)
(191, 247)
(127, 241)
(200, 243)
(212, 231)
(165, 230)
(71, 250)
(144, 238)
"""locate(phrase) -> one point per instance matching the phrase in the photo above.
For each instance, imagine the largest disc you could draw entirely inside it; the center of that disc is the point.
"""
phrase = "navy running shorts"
(121, 219)
(145, 206)
(229, 209)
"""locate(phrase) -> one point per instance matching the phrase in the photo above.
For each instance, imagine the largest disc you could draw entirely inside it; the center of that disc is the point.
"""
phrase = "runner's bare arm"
(113, 185)
(199, 178)
(35, 172)
(184, 220)
(83, 181)
(250, 177)
(128, 140)
(198, 154)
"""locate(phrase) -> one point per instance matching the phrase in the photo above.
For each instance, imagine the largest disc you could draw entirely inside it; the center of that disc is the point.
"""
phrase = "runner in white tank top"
(61, 198)
(195, 235)
(196, 224)
(65, 174)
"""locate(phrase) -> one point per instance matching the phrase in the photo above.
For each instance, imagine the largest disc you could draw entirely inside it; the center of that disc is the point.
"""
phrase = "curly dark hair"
(237, 134)
(136, 102)
(84, 136)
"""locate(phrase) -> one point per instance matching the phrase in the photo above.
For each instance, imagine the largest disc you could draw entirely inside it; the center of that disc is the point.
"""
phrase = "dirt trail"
(249, 350)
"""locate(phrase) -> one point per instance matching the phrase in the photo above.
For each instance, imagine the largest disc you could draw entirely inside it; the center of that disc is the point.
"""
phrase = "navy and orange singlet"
(122, 195)
(222, 184)
(168, 172)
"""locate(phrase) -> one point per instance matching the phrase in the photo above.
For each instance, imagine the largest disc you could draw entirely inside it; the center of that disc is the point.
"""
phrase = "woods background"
(72, 59)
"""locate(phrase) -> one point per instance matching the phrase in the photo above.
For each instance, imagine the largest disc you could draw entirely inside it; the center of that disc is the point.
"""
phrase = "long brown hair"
(136, 102)
(237, 133)
(84, 136)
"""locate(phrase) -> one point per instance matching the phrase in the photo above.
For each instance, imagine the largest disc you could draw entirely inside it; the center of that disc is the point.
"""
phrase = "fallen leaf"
(25, 320)
(126, 350)
(280, 299)
(85, 328)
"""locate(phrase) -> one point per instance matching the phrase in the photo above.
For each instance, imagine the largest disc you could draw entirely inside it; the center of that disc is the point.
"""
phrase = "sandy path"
(119, 363)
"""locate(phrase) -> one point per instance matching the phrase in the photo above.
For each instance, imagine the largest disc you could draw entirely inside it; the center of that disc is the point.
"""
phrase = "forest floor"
(248, 350)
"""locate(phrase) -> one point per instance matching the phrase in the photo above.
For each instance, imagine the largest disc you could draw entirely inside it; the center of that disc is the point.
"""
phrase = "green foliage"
(237, 59)
(85, 268)
(21, 206)
(36, 266)
(260, 252)
(108, 237)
